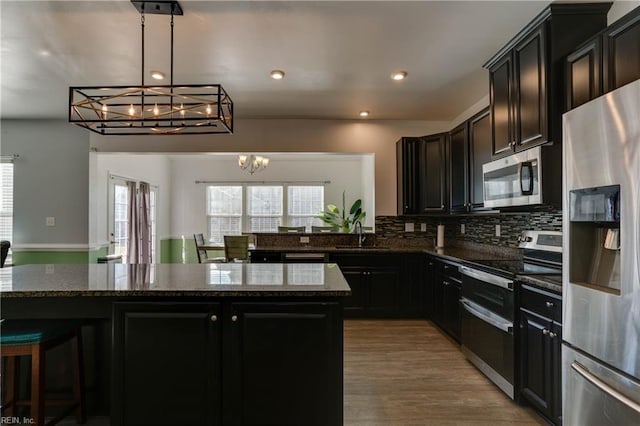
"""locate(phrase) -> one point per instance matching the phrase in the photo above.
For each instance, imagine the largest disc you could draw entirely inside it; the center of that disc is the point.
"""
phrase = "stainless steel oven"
(487, 325)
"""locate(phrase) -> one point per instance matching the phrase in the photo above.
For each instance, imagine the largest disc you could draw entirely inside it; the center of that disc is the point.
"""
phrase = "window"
(264, 208)
(304, 204)
(264, 211)
(224, 212)
(6, 204)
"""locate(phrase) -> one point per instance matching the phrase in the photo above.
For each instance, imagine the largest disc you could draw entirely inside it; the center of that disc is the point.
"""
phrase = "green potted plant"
(333, 216)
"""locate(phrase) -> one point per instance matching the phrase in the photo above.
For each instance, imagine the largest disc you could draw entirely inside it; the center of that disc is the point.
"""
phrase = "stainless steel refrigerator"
(601, 275)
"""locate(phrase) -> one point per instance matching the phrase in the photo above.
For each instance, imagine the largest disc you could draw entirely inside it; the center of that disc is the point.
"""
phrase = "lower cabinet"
(444, 282)
(382, 285)
(540, 352)
(227, 363)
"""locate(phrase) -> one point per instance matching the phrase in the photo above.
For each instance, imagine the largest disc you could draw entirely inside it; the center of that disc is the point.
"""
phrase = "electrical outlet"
(50, 221)
(423, 227)
(409, 227)
(462, 230)
(49, 269)
(304, 239)
(497, 230)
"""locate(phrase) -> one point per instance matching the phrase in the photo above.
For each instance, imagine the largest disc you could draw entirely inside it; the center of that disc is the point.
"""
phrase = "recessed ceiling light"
(364, 113)
(277, 74)
(399, 75)
(45, 53)
(158, 75)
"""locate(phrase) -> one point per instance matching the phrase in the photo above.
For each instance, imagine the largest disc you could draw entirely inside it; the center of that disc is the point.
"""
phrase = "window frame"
(245, 221)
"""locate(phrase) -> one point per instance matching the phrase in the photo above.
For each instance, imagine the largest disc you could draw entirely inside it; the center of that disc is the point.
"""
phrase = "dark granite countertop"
(449, 253)
(548, 282)
(211, 280)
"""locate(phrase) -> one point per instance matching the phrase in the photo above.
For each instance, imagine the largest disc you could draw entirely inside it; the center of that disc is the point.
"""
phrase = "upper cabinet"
(421, 175)
(605, 62)
(469, 148)
(525, 78)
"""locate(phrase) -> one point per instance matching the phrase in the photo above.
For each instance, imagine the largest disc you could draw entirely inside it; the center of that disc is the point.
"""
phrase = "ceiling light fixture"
(158, 75)
(277, 74)
(152, 110)
(253, 163)
(364, 113)
(399, 75)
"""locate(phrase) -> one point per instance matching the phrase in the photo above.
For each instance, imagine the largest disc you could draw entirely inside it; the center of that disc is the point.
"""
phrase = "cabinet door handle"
(446, 282)
(545, 331)
(552, 334)
(214, 318)
(549, 304)
(234, 318)
(442, 207)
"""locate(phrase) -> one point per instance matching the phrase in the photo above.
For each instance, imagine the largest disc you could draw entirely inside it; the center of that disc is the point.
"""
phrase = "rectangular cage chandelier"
(152, 110)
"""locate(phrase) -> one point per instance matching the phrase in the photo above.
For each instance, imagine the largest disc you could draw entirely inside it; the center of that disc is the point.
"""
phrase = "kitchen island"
(202, 344)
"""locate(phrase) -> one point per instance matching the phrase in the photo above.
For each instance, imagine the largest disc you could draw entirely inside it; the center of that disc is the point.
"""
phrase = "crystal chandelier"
(152, 110)
(252, 163)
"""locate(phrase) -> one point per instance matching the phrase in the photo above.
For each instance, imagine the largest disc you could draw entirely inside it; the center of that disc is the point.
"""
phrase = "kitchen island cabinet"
(204, 344)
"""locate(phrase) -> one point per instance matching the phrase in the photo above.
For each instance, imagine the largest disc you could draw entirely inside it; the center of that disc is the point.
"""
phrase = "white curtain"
(139, 217)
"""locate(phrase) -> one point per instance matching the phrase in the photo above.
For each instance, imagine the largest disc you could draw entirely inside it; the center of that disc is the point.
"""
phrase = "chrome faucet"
(361, 236)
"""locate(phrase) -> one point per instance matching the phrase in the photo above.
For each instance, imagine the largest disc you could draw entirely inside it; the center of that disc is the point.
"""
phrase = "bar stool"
(33, 338)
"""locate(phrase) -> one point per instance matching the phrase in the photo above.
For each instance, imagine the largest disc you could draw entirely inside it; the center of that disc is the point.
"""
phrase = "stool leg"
(11, 370)
(37, 385)
(78, 377)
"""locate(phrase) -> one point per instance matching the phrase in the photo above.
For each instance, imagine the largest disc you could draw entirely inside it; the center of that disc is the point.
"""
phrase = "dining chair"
(291, 229)
(236, 248)
(201, 251)
(324, 229)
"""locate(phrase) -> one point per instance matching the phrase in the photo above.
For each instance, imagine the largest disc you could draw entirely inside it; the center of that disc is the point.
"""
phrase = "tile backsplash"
(479, 228)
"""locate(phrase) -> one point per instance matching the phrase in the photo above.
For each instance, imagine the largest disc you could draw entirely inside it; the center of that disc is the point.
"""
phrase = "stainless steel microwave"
(515, 180)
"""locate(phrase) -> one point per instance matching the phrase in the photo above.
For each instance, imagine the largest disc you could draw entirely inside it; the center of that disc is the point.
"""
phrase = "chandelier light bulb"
(132, 111)
(242, 161)
(208, 109)
(104, 111)
(156, 111)
(182, 110)
(157, 75)
(252, 163)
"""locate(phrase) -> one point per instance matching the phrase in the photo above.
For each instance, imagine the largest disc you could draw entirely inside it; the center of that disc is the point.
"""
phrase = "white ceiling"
(337, 55)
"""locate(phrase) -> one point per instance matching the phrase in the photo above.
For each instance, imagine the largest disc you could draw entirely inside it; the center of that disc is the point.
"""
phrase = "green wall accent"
(178, 250)
(27, 257)
(95, 254)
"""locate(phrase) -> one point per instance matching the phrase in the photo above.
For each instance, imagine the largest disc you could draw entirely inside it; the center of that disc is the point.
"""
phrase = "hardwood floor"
(399, 372)
(407, 372)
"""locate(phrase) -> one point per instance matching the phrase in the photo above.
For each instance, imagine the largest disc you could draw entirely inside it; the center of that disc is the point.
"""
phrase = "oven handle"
(486, 315)
(594, 380)
(485, 277)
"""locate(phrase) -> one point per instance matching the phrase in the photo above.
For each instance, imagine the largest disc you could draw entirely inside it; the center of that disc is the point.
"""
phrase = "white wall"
(153, 169)
(188, 207)
(325, 136)
(619, 8)
(51, 179)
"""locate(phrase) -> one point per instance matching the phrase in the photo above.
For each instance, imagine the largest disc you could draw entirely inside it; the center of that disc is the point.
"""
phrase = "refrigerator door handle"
(594, 380)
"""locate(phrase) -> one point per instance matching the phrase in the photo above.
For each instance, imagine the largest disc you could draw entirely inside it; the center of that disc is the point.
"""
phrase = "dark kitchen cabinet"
(527, 96)
(469, 148)
(458, 168)
(383, 285)
(540, 339)
(281, 360)
(479, 153)
(445, 289)
(177, 342)
(421, 180)
(275, 363)
(621, 51)
(605, 62)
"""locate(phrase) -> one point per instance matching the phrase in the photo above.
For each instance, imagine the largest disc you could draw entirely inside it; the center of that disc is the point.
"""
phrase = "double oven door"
(487, 325)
